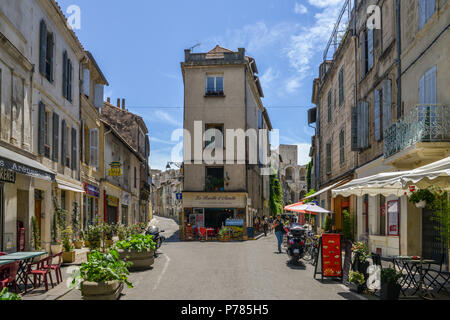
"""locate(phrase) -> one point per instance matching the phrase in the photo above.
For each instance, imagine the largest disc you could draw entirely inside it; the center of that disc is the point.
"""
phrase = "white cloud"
(325, 3)
(268, 77)
(300, 9)
(157, 140)
(303, 153)
(293, 84)
(167, 118)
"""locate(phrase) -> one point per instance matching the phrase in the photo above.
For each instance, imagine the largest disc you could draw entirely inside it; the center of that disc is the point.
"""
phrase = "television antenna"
(197, 45)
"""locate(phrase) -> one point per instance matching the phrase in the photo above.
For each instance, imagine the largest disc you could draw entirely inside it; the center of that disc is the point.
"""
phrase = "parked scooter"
(296, 243)
(157, 238)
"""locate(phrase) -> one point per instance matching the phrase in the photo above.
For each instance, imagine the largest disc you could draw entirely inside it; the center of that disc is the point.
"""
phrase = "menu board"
(393, 225)
(331, 255)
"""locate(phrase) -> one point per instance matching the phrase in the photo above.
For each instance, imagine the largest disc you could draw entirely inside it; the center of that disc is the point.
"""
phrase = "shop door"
(432, 246)
(111, 215)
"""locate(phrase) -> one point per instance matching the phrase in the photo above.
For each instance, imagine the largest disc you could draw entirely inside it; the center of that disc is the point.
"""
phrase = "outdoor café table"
(25, 258)
(3, 262)
(418, 264)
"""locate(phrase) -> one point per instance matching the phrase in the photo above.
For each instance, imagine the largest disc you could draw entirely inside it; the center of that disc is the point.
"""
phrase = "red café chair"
(56, 267)
(11, 278)
(202, 233)
(40, 270)
(3, 254)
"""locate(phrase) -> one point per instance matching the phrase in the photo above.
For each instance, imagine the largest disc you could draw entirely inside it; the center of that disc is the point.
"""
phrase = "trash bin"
(250, 232)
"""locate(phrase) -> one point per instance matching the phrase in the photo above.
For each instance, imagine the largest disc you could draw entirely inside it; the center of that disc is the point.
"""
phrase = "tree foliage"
(308, 175)
(276, 196)
(311, 192)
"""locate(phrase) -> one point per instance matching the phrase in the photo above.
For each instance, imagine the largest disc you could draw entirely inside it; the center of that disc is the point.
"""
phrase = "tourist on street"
(279, 230)
(264, 225)
(270, 224)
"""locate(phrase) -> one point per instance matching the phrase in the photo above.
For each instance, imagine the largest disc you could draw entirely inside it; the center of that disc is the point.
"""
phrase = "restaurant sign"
(91, 190)
(7, 175)
(24, 169)
(195, 200)
(115, 169)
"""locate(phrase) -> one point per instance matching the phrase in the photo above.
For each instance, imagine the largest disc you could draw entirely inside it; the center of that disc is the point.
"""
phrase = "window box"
(214, 94)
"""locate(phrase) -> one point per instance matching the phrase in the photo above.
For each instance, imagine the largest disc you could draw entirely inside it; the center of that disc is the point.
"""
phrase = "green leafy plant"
(109, 230)
(328, 224)
(137, 242)
(123, 232)
(362, 250)
(422, 195)
(76, 220)
(348, 225)
(441, 215)
(356, 277)
(390, 275)
(102, 267)
(36, 234)
(67, 239)
(276, 196)
(55, 234)
(308, 175)
(94, 235)
(5, 295)
(310, 193)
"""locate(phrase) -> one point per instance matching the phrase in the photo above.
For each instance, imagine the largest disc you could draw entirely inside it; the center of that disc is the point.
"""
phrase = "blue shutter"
(376, 115)
(422, 13)
(50, 56)
(354, 137)
(365, 124)
(64, 83)
(69, 80)
(74, 149)
(41, 129)
(387, 104)
(55, 137)
(98, 96)
(363, 55)
(370, 48)
(63, 142)
(42, 47)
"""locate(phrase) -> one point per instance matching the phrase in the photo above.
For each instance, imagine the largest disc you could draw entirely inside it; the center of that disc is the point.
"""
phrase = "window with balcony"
(214, 85)
(214, 181)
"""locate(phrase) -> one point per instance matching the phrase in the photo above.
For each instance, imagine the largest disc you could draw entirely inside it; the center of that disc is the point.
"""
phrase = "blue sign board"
(234, 222)
(179, 196)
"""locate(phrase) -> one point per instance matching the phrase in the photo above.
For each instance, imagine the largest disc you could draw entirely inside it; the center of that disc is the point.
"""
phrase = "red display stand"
(329, 260)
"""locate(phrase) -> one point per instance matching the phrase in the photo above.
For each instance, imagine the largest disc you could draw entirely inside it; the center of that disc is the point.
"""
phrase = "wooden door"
(37, 213)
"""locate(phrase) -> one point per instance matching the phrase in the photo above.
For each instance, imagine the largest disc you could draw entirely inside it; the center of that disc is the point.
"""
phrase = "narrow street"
(250, 270)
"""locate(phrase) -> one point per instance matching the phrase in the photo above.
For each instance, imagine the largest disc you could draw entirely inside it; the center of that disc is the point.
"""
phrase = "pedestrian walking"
(270, 224)
(264, 225)
(279, 231)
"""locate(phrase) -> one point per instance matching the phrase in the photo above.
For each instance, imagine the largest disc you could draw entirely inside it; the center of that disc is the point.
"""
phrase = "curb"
(360, 297)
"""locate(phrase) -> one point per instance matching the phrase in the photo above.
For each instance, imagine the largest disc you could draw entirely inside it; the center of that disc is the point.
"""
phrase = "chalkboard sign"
(347, 262)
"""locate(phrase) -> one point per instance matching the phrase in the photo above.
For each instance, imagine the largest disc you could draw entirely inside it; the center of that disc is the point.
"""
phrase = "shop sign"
(91, 190)
(112, 201)
(214, 201)
(7, 175)
(234, 222)
(26, 170)
(329, 259)
(115, 169)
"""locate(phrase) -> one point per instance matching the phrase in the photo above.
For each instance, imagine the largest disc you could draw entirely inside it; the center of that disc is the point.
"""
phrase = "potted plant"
(69, 252)
(361, 257)
(138, 249)
(56, 245)
(123, 232)
(5, 295)
(357, 281)
(390, 288)
(78, 242)
(109, 231)
(421, 198)
(36, 234)
(102, 276)
(93, 237)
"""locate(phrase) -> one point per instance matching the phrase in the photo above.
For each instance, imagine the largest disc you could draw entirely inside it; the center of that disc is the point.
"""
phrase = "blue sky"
(139, 45)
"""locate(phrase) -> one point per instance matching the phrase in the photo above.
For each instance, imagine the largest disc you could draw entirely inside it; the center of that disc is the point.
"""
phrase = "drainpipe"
(399, 61)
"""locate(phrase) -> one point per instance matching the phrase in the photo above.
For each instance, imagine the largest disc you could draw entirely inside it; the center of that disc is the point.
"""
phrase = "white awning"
(64, 185)
(327, 188)
(396, 183)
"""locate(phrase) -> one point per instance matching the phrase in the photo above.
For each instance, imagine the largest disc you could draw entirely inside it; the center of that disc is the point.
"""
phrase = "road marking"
(163, 272)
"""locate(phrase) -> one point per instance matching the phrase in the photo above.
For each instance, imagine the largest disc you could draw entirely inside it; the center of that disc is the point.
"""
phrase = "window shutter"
(370, 48)
(328, 157)
(50, 56)
(96, 148)
(365, 125)
(376, 115)
(430, 86)
(69, 80)
(329, 106)
(43, 47)
(74, 149)
(55, 137)
(64, 84)
(98, 96)
(431, 6)
(82, 141)
(41, 131)
(63, 142)
(363, 55)
(422, 13)
(86, 81)
(387, 104)
(91, 146)
(341, 86)
(354, 137)
(87, 145)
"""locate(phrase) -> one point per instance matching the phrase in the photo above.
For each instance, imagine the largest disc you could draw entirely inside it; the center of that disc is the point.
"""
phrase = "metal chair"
(12, 269)
(56, 266)
(440, 275)
(40, 270)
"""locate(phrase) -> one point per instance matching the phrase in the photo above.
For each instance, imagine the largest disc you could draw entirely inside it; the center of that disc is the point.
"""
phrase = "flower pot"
(93, 244)
(140, 260)
(390, 291)
(109, 243)
(56, 248)
(356, 288)
(421, 204)
(78, 244)
(68, 256)
(109, 290)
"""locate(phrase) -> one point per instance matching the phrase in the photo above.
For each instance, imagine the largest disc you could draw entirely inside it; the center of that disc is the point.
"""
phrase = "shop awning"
(18, 163)
(340, 183)
(64, 185)
(396, 183)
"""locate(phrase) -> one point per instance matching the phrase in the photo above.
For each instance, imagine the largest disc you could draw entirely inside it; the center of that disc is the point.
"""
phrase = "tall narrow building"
(222, 92)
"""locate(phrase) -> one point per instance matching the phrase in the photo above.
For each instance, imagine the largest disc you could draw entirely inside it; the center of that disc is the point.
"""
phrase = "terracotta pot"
(109, 290)
(56, 248)
(68, 256)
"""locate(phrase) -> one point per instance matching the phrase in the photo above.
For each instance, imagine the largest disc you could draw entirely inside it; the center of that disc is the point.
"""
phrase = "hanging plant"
(422, 198)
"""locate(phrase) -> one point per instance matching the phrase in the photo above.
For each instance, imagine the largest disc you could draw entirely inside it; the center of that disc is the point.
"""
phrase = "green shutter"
(55, 137)
(41, 129)
(341, 86)
(74, 149)
(64, 83)
(329, 106)
(50, 56)
(63, 142)
(377, 115)
(69, 82)
(42, 47)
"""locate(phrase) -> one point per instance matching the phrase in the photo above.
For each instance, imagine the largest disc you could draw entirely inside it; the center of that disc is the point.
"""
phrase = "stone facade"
(291, 175)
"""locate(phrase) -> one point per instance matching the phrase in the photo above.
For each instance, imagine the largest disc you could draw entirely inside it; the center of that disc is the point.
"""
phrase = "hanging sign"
(91, 190)
(112, 201)
(115, 169)
(7, 175)
(393, 225)
(330, 256)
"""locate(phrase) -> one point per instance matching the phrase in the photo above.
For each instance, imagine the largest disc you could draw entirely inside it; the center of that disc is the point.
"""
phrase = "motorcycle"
(296, 243)
(157, 238)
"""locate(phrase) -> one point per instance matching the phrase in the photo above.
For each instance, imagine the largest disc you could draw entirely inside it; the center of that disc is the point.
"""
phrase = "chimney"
(118, 103)
(108, 100)
(123, 104)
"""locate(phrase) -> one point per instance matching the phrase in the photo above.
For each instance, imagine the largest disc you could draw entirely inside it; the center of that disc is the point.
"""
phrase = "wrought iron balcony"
(425, 123)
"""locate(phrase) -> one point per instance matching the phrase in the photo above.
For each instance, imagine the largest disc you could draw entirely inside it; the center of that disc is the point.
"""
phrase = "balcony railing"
(425, 123)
